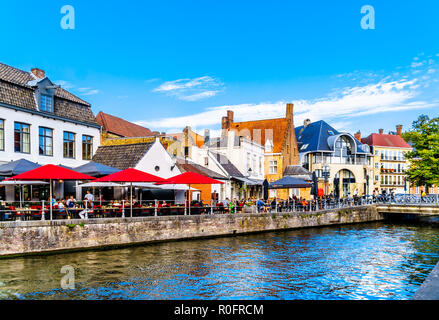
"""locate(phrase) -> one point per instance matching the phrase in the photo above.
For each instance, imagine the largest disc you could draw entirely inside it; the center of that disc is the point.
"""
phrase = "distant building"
(43, 123)
(117, 131)
(277, 136)
(115, 127)
(348, 160)
(389, 162)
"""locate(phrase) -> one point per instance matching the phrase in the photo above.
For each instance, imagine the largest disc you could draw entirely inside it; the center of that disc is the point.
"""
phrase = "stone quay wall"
(38, 237)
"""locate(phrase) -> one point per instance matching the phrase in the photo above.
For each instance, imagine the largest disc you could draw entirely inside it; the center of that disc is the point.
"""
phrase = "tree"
(424, 158)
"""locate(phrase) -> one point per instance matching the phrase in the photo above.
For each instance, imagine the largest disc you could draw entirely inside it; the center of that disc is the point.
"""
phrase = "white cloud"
(88, 91)
(64, 84)
(383, 96)
(191, 89)
(417, 64)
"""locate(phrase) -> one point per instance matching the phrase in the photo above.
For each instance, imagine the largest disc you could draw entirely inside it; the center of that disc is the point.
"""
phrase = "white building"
(150, 157)
(43, 123)
(239, 159)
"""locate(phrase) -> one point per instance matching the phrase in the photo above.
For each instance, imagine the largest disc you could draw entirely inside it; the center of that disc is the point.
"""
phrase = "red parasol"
(130, 175)
(51, 172)
(190, 178)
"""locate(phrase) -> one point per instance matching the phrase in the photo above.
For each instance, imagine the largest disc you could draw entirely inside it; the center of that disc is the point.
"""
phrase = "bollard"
(155, 208)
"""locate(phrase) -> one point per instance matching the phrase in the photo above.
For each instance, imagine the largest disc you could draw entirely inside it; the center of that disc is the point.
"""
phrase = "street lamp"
(326, 173)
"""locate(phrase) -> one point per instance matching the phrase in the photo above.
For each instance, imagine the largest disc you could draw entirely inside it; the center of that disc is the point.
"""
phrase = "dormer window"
(46, 103)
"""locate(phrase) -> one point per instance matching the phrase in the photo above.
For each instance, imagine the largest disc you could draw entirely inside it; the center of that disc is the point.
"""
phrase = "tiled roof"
(385, 140)
(21, 78)
(121, 156)
(227, 165)
(121, 127)
(298, 172)
(189, 166)
(15, 91)
(315, 136)
(273, 129)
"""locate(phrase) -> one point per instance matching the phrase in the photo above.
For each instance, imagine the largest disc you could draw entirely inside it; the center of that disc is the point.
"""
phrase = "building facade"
(43, 123)
(389, 162)
(278, 137)
(349, 161)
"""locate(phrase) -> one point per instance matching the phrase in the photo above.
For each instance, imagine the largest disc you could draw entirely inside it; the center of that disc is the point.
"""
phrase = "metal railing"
(40, 210)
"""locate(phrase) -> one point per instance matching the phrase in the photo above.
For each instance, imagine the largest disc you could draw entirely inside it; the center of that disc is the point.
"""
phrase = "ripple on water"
(367, 261)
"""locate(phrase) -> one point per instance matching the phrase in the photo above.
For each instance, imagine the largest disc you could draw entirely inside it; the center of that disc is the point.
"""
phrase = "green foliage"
(71, 226)
(424, 158)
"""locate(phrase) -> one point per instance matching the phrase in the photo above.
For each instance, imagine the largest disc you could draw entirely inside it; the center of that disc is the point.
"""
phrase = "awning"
(289, 183)
(249, 182)
(19, 183)
(100, 185)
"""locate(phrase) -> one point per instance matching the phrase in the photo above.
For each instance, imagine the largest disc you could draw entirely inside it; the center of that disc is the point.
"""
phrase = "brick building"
(276, 135)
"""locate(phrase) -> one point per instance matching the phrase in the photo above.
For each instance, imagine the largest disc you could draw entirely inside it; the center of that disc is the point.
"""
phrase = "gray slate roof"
(227, 165)
(121, 156)
(298, 172)
(187, 165)
(16, 91)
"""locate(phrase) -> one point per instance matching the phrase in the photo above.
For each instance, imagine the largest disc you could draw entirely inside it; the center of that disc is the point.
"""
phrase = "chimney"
(381, 131)
(306, 123)
(290, 107)
(358, 136)
(230, 116)
(38, 73)
(399, 129)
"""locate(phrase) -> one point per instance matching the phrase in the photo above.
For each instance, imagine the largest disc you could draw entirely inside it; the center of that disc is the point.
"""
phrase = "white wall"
(158, 156)
(35, 121)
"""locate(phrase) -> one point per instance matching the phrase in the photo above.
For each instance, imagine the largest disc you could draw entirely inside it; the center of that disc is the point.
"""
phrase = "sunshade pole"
(190, 197)
(51, 198)
(131, 200)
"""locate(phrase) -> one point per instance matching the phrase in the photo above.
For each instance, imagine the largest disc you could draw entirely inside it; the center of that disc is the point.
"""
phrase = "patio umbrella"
(49, 173)
(289, 182)
(190, 178)
(265, 185)
(16, 167)
(21, 184)
(99, 185)
(315, 185)
(131, 176)
(96, 169)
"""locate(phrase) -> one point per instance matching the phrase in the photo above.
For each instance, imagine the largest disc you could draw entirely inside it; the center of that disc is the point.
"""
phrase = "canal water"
(365, 261)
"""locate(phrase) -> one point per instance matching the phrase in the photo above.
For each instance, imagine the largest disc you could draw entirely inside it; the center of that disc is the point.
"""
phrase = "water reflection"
(367, 261)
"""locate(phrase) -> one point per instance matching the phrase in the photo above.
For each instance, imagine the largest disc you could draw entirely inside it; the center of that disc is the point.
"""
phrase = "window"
(206, 161)
(46, 103)
(46, 141)
(273, 167)
(186, 152)
(2, 135)
(87, 147)
(21, 137)
(69, 145)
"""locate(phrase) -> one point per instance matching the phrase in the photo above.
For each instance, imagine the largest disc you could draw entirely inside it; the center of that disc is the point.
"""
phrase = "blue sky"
(167, 64)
